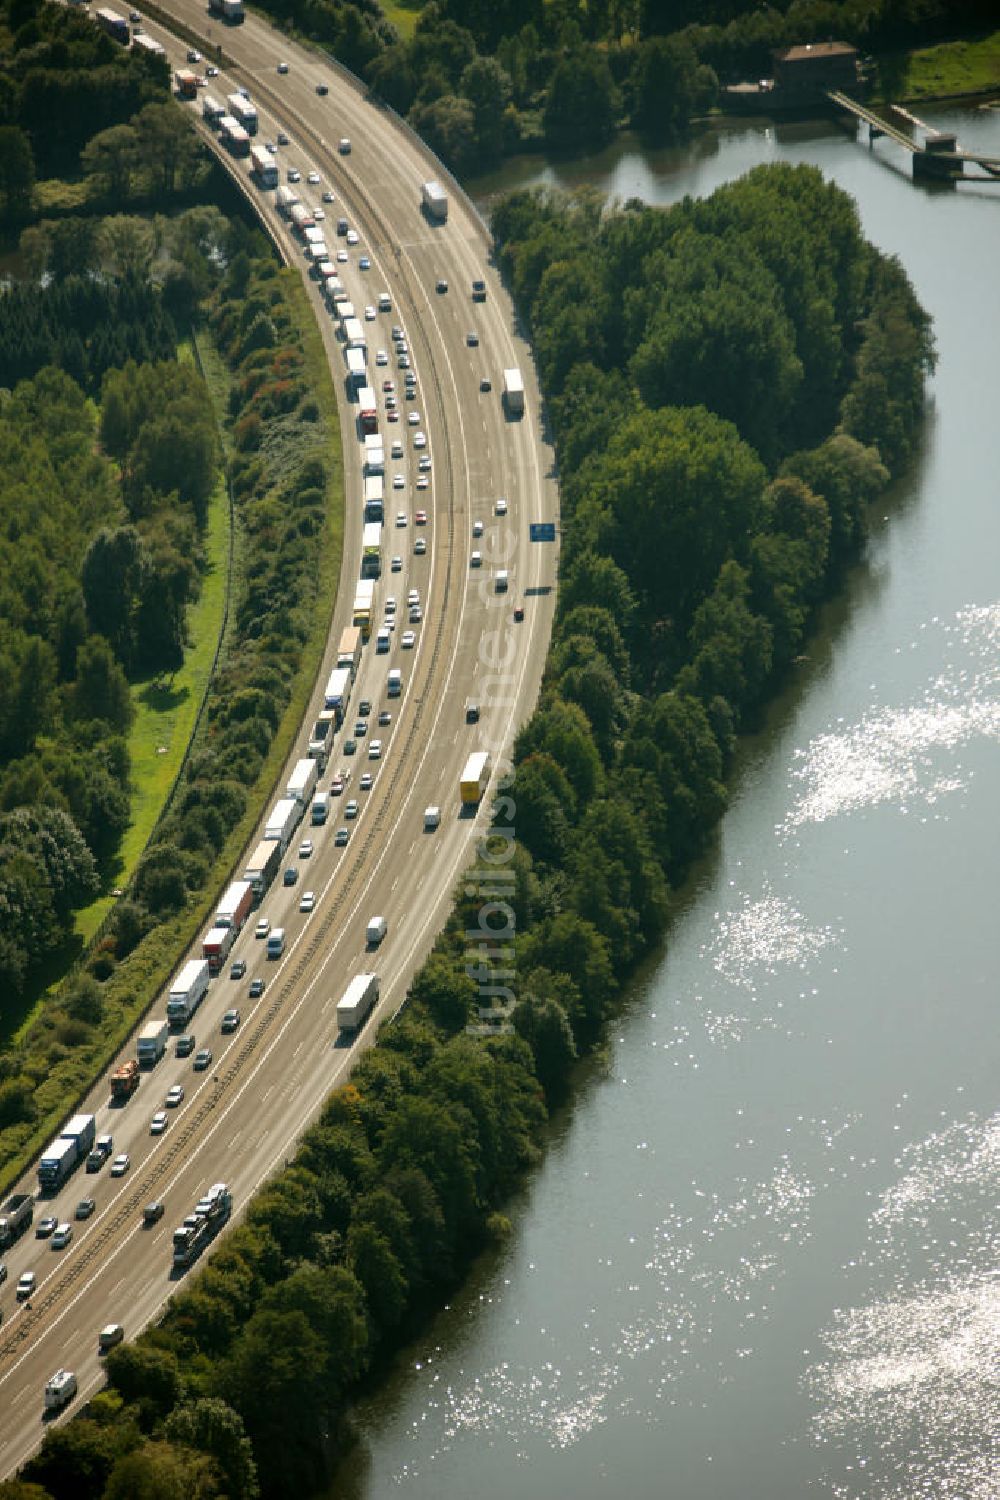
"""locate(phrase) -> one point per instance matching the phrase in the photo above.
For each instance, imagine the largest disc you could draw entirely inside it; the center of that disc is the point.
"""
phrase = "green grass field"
(403, 16)
(970, 67)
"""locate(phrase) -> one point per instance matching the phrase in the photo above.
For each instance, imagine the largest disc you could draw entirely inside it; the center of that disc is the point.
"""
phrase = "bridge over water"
(937, 155)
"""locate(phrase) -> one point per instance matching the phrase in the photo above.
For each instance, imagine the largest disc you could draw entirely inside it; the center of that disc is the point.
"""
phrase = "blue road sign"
(543, 531)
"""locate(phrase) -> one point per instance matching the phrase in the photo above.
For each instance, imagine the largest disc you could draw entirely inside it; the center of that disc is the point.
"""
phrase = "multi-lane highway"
(239, 1118)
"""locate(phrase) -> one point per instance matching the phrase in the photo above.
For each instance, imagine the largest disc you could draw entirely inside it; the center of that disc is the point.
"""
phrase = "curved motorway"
(239, 1120)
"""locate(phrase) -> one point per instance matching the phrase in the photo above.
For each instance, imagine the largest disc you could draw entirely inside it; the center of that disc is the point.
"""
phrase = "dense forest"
(109, 550)
(479, 81)
(702, 526)
(67, 96)
(99, 551)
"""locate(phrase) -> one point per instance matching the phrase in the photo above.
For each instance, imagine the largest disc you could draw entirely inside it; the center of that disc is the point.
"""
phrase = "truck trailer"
(235, 906)
(190, 986)
(349, 650)
(322, 737)
(374, 497)
(66, 1152)
(371, 550)
(241, 109)
(337, 694)
(364, 605)
(115, 25)
(152, 1043)
(357, 372)
(357, 1001)
(435, 202)
(15, 1217)
(302, 782)
(282, 821)
(374, 453)
(475, 777)
(263, 166)
(232, 135)
(513, 392)
(263, 867)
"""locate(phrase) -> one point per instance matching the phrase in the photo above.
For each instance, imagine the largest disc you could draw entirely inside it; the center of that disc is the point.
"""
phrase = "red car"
(420, 518)
(519, 612)
(388, 385)
(392, 416)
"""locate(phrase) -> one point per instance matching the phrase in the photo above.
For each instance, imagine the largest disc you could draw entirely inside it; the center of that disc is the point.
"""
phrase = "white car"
(193, 56)
(375, 750)
(366, 781)
(397, 449)
(412, 598)
(353, 238)
(294, 175)
(351, 809)
(390, 605)
(318, 215)
(381, 358)
(175, 1096)
(121, 1164)
(308, 901)
(398, 481)
(413, 418)
(501, 507)
(26, 1285)
(62, 1236)
(401, 518)
(424, 463)
(370, 314)
(364, 264)
(306, 849)
(262, 929)
(476, 560)
(409, 640)
(158, 1123)
(477, 528)
(420, 546)
(314, 178)
(327, 196)
(423, 482)
(416, 615)
(344, 146)
(420, 440)
(397, 563)
(341, 257)
(282, 67)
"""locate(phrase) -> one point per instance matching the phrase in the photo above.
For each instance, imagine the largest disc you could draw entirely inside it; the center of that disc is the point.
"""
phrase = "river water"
(759, 1260)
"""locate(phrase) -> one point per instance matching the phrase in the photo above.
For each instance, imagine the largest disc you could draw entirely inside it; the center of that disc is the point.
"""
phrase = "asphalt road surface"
(240, 1118)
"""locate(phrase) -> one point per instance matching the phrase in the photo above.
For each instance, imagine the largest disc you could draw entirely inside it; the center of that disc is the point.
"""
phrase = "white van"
(321, 807)
(276, 942)
(376, 931)
(60, 1389)
(383, 640)
(432, 818)
(394, 685)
